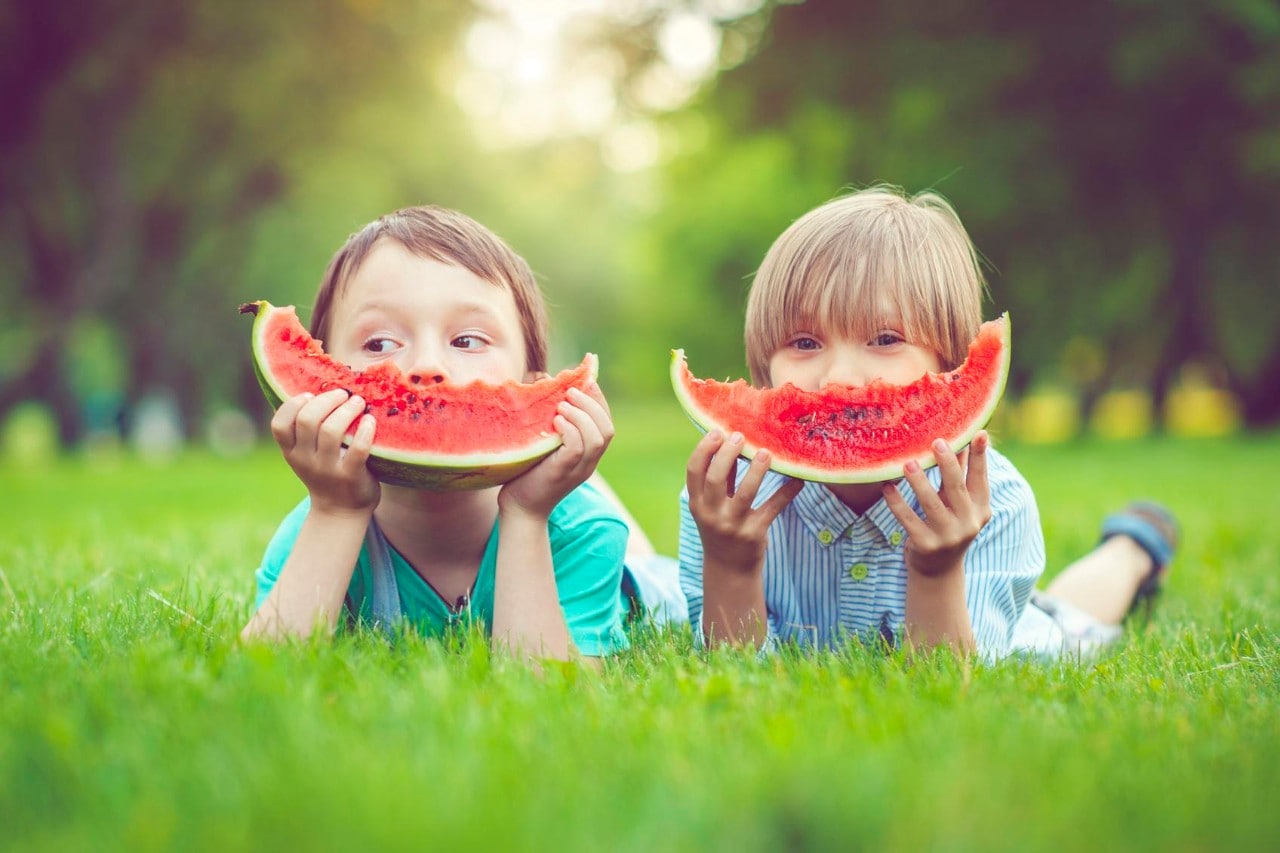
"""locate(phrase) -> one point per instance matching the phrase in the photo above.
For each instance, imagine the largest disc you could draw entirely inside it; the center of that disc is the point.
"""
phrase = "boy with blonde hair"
(881, 286)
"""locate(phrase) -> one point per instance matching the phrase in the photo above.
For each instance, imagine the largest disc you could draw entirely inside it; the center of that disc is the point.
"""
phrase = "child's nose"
(426, 368)
(846, 368)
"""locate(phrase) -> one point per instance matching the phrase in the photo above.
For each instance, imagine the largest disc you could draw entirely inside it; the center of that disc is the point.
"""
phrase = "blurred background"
(1117, 163)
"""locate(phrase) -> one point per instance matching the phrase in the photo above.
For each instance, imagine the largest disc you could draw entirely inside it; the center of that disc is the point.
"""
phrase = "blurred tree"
(1158, 115)
(143, 140)
(1114, 161)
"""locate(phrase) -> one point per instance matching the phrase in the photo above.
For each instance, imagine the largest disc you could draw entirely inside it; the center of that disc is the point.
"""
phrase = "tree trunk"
(46, 382)
(1260, 397)
(1189, 337)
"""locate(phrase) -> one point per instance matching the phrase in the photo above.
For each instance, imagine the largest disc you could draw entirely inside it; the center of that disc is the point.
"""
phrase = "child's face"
(811, 359)
(436, 321)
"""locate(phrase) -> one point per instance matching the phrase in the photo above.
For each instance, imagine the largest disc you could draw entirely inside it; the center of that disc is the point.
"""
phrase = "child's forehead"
(389, 260)
(400, 279)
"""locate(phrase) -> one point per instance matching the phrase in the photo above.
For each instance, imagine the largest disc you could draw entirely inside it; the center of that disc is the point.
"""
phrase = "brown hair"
(449, 237)
(832, 269)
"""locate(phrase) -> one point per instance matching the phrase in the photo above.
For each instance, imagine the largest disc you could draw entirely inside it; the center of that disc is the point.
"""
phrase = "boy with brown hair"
(539, 560)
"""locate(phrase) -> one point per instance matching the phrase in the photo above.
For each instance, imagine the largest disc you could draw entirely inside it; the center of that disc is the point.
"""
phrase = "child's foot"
(1155, 531)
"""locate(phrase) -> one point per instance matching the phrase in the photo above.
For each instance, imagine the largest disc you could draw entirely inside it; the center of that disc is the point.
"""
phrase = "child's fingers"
(361, 443)
(976, 479)
(695, 474)
(778, 501)
(907, 517)
(930, 501)
(333, 430)
(594, 392)
(571, 435)
(284, 420)
(750, 482)
(590, 416)
(592, 440)
(313, 414)
(952, 492)
(724, 465)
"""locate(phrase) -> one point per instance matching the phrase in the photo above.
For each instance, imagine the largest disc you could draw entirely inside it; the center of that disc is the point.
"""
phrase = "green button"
(858, 571)
(895, 538)
(826, 537)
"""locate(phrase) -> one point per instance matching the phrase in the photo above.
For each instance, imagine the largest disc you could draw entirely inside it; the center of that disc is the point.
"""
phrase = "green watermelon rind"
(891, 469)
(422, 470)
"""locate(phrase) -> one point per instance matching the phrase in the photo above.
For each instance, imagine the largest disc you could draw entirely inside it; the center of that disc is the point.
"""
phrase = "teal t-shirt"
(588, 542)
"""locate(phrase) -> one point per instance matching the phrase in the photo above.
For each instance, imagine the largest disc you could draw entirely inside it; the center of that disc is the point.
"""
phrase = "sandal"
(1156, 531)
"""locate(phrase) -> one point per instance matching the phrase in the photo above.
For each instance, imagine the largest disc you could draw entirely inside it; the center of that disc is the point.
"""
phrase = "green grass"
(130, 717)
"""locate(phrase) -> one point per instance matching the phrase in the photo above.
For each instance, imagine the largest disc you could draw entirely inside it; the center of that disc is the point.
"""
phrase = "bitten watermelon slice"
(441, 437)
(845, 434)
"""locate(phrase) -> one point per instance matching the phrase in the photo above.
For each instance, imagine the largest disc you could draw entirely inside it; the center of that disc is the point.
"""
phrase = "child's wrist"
(510, 512)
(340, 512)
(744, 569)
(936, 571)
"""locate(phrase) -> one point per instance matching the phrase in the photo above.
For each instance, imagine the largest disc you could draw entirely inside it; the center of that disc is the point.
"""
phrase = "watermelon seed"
(413, 416)
(368, 410)
(412, 398)
(392, 412)
(415, 379)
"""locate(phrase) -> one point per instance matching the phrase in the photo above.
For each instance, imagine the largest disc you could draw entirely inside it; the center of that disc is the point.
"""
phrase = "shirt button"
(858, 571)
(826, 537)
(895, 538)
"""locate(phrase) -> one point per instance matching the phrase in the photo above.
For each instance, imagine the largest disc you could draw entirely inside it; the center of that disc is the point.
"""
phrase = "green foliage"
(1104, 156)
(162, 162)
(131, 718)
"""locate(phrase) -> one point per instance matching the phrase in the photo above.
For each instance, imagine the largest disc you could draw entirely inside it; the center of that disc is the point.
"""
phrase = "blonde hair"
(841, 266)
(449, 237)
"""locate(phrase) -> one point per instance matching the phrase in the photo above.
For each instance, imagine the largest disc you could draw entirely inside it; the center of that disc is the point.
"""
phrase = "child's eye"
(804, 343)
(887, 339)
(380, 346)
(468, 342)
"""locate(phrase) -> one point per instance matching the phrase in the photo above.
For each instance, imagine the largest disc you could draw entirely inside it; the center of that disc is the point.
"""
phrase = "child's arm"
(313, 582)
(527, 616)
(734, 537)
(954, 515)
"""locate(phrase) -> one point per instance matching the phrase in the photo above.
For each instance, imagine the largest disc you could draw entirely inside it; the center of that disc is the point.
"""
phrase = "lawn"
(130, 717)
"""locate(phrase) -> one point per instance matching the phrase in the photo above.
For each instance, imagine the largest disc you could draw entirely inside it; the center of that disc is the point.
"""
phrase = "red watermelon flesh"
(847, 434)
(434, 436)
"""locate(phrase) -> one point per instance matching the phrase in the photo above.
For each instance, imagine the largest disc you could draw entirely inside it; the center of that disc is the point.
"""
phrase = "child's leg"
(1104, 582)
(1126, 567)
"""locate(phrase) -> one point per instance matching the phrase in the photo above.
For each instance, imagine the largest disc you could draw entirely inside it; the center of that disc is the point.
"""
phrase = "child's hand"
(585, 425)
(733, 534)
(310, 430)
(953, 515)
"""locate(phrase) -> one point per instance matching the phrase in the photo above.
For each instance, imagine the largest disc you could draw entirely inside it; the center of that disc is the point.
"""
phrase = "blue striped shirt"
(831, 574)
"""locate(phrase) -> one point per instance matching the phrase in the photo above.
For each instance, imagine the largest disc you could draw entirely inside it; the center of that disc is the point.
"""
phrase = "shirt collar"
(820, 510)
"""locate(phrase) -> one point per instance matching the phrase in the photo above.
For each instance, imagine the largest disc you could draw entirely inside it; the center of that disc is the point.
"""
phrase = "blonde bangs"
(863, 263)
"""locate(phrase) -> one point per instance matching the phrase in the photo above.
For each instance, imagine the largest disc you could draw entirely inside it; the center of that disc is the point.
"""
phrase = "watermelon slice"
(440, 437)
(846, 434)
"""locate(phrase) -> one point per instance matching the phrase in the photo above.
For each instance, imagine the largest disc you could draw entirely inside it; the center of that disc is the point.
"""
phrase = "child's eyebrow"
(371, 308)
(458, 309)
(474, 308)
